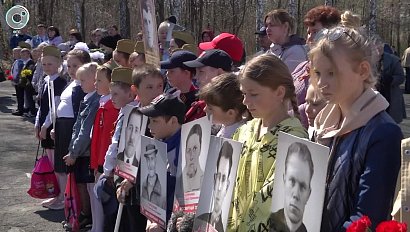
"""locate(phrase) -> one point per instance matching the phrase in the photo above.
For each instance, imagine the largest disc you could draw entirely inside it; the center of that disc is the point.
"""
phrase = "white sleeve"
(111, 154)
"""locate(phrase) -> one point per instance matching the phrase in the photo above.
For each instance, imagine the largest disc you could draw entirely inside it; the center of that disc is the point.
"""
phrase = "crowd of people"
(338, 87)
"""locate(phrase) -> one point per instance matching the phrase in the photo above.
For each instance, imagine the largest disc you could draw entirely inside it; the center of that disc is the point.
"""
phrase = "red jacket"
(102, 133)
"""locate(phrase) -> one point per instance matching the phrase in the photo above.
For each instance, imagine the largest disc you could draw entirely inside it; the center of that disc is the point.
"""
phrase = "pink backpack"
(43, 180)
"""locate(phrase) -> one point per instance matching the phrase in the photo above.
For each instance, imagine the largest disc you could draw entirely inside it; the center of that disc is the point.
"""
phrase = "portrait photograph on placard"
(299, 186)
(150, 34)
(195, 139)
(129, 148)
(153, 180)
(217, 186)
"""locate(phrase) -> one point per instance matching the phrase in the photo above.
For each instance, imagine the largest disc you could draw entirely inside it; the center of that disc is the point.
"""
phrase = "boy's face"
(120, 97)
(160, 128)
(120, 59)
(149, 88)
(136, 60)
(50, 64)
(102, 84)
(25, 55)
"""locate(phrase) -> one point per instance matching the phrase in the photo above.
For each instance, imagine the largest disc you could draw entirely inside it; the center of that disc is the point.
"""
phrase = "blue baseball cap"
(177, 60)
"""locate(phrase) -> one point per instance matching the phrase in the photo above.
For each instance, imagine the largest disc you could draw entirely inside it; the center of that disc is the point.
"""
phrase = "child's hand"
(154, 227)
(126, 186)
(52, 134)
(178, 224)
(43, 132)
(120, 195)
(68, 160)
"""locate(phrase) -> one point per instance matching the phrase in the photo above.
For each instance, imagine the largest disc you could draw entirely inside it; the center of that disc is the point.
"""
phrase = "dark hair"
(326, 15)
(226, 152)
(114, 26)
(144, 71)
(195, 129)
(77, 36)
(179, 42)
(303, 153)
(81, 55)
(55, 29)
(216, 92)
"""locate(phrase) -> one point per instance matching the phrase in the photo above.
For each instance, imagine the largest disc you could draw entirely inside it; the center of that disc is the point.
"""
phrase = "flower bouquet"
(364, 223)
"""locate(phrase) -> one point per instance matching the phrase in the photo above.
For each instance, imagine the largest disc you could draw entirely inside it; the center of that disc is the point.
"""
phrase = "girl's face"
(102, 84)
(339, 83)
(120, 59)
(219, 116)
(206, 37)
(172, 46)
(50, 64)
(262, 101)
(87, 81)
(120, 97)
(35, 54)
(73, 63)
(51, 34)
(314, 105)
(149, 88)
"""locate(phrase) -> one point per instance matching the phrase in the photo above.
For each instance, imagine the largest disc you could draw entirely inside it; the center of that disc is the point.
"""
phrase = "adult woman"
(280, 27)
(364, 140)
(54, 37)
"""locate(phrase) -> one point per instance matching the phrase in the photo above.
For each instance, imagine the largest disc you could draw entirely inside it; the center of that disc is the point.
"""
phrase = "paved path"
(19, 212)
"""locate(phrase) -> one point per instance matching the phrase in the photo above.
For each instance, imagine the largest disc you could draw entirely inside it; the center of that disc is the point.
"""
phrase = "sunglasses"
(336, 33)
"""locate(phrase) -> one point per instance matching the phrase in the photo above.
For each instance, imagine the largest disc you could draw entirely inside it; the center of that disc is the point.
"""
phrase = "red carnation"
(7, 72)
(10, 78)
(360, 225)
(391, 226)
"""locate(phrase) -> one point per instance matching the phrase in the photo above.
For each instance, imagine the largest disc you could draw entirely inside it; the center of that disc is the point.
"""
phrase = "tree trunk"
(124, 19)
(372, 17)
(78, 16)
(292, 8)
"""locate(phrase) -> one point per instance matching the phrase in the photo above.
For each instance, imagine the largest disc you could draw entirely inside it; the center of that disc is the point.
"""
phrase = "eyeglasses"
(334, 34)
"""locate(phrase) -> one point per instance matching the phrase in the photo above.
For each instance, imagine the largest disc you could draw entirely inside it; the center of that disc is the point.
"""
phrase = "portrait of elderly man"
(151, 188)
(221, 186)
(132, 139)
(297, 186)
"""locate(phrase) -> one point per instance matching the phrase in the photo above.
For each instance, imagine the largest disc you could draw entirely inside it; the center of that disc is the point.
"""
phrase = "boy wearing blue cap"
(180, 76)
(166, 115)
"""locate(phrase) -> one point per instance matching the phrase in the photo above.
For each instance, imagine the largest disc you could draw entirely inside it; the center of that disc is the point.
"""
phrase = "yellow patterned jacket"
(252, 196)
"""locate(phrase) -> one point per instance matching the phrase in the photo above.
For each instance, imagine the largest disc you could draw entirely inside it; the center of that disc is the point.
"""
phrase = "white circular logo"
(17, 17)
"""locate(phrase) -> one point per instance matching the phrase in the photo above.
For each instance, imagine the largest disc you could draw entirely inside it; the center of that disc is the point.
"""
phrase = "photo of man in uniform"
(151, 188)
(192, 172)
(221, 185)
(131, 139)
(297, 185)
(149, 28)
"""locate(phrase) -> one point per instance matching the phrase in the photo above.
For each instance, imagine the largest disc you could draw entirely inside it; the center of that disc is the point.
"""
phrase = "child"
(313, 105)
(148, 83)
(166, 115)
(15, 72)
(26, 76)
(364, 139)
(67, 112)
(268, 89)
(121, 95)
(123, 51)
(79, 148)
(228, 111)
(51, 61)
(137, 58)
(101, 135)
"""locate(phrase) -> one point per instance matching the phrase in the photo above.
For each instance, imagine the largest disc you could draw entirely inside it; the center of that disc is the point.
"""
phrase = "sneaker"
(85, 221)
(17, 113)
(48, 202)
(57, 205)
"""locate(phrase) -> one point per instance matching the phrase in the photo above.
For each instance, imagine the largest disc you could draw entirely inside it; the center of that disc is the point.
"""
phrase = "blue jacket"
(354, 184)
(80, 139)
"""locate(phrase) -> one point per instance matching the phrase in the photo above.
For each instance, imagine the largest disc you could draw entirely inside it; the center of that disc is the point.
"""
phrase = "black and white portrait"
(153, 179)
(220, 173)
(299, 185)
